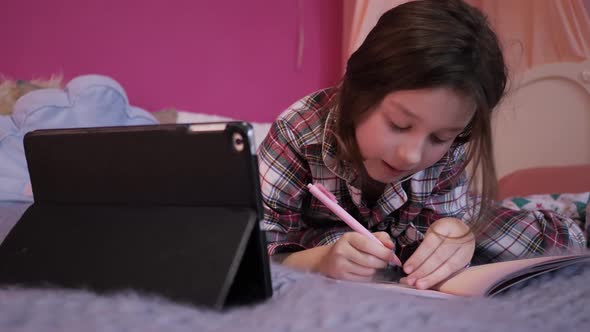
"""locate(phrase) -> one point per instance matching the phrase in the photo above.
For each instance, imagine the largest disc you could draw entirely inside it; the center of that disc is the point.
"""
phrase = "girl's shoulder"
(305, 120)
(316, 104)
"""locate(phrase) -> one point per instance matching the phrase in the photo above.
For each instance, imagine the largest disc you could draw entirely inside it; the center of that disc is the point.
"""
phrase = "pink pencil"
(329, 200)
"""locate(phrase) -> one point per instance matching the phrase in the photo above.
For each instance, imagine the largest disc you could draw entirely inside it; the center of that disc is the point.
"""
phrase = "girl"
(390, 143)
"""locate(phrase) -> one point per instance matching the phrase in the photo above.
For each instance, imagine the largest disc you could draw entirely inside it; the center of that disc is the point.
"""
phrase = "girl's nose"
(409, 155)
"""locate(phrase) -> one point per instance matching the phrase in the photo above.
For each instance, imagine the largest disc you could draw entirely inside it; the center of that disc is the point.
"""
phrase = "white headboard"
(545, 119)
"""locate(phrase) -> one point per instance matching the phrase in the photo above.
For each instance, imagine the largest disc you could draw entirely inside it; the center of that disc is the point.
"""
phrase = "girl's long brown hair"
(429, 44)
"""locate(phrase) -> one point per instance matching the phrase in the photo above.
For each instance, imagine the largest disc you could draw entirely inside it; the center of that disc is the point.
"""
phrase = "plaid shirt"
(301, 148)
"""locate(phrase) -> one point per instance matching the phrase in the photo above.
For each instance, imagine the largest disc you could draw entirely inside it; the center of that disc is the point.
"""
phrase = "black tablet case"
(172, 210)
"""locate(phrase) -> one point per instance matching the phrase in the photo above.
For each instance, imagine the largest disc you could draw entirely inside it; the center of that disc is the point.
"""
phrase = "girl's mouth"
(392, 169)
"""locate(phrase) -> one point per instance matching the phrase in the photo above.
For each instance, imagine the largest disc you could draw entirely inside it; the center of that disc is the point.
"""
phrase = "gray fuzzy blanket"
(555, 302)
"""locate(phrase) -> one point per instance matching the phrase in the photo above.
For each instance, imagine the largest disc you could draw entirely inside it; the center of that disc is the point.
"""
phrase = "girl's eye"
(437, 140)
(399, 128)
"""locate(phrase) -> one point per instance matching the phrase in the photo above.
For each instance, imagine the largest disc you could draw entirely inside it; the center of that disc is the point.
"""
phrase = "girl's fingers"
(436, 258)
(366, 260)
(385, 239)
(338, 265)
(444, 271)
(374, 254)
(359, 254)
(420, 262)
(387, 242)
(348, 267)
(360, 270)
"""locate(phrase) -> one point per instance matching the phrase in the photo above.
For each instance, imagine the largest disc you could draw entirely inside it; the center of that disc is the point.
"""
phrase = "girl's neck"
(372, 190)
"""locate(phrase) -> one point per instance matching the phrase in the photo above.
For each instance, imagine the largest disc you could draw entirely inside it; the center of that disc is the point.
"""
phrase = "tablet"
(172, 210)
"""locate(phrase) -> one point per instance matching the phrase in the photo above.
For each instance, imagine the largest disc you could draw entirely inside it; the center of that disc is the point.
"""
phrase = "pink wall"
(234, 58)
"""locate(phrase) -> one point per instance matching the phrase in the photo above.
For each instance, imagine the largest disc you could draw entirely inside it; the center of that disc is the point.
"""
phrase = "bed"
(542, 147)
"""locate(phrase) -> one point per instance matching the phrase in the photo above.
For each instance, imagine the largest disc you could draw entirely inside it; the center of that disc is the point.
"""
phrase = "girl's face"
(410, 130)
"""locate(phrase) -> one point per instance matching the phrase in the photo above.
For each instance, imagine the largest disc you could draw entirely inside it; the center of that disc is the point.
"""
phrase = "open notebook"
(490, 279)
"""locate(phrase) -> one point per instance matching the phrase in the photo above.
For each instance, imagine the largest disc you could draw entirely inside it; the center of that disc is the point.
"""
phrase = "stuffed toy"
(12, 90)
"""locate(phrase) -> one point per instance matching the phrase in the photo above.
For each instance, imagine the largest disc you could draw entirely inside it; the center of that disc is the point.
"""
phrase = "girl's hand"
(438, 256)
(356, 257)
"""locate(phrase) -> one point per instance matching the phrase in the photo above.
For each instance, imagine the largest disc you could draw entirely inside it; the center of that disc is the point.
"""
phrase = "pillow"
(86, 101)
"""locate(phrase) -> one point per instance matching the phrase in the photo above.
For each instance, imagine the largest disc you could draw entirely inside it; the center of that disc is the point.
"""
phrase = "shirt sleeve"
(510, 234)
(283, 175)
(506, 234)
